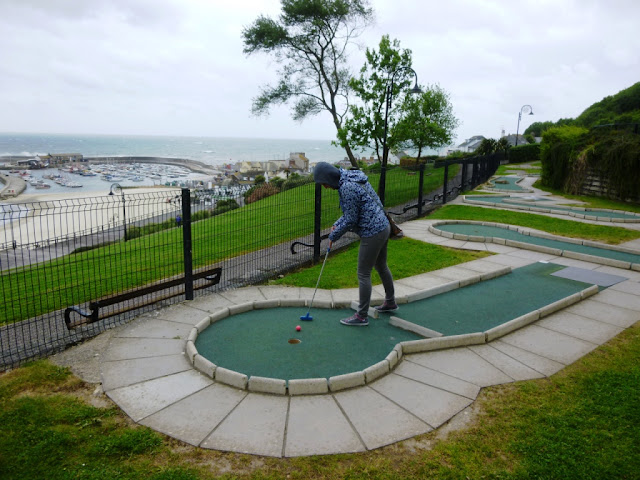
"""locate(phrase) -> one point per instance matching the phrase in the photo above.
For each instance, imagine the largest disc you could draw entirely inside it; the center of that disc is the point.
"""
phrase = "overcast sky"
(176, 67)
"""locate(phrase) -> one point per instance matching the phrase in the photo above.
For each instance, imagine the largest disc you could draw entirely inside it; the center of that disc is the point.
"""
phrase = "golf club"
(308, 317)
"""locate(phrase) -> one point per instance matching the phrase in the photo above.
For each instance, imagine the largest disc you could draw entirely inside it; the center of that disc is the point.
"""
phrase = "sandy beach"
(45, 218)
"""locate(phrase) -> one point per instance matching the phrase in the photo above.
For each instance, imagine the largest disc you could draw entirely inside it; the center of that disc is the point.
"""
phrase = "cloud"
(177, 67)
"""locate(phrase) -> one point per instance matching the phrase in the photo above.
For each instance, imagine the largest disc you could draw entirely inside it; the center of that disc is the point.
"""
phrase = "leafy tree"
(487, 146)
(309, 40)
(259, 179)
(503, 145)
(427, 121)
(365, 125)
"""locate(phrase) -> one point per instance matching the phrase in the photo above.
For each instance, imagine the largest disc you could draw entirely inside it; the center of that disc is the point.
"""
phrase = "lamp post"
(385, 149)
(112, 191)
(524, 107)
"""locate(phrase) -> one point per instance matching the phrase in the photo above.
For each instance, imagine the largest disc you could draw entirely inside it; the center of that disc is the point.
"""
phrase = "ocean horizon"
(212, 151)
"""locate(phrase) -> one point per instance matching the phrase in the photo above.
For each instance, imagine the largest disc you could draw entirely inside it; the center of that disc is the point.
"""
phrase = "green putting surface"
(482, 306)
(511, 184)
(257, 343)
(490, 231)
(592, 212)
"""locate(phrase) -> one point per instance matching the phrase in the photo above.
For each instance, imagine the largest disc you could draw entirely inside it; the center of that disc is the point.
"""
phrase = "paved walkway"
(145, 370)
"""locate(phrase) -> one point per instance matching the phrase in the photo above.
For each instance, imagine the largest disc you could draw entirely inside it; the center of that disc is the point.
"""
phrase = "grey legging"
(373, 253)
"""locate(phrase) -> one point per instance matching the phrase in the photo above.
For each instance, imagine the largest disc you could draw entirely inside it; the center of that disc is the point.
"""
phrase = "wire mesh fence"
(69, 269)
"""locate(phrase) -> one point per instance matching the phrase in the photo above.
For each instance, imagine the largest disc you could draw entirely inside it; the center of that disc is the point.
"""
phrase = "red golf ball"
(298, 328)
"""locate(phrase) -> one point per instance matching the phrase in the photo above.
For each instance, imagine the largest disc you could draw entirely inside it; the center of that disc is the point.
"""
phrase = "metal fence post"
(382, 185)
(464, 176)
(444, 187)
(420, 188)
(317, 223)
(186, 244)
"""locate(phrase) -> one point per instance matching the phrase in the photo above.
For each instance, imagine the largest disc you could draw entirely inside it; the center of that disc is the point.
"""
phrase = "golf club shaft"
(319, 277)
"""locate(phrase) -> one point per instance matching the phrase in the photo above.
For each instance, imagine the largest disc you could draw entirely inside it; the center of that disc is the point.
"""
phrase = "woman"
(363, 214)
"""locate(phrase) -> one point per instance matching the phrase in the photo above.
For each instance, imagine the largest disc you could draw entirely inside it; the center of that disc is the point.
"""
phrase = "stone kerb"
(433, 228)
(315, 386)
(576, 212)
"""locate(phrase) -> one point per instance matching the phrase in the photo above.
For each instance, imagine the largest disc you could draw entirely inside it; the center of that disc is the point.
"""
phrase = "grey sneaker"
(355, 320)
(387, 307)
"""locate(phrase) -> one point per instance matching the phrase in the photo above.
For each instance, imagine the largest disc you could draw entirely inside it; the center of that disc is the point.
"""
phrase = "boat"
(73, 184)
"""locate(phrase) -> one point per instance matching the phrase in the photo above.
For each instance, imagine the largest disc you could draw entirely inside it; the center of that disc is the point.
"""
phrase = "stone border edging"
(515, 205)
(492, 186)
(539, 248)
(314, 386)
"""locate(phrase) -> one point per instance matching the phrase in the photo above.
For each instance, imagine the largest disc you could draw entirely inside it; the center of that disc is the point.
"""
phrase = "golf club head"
(306, 317)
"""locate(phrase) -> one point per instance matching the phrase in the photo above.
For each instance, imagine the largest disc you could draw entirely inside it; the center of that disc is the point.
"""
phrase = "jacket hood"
(353, 176)
(325, 173)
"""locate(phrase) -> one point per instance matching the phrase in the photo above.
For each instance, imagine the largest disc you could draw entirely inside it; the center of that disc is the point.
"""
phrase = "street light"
(385, 150)
(520, 116)
(112, 191)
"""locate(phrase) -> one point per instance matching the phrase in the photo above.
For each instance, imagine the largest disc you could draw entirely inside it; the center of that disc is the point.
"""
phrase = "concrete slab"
(535, 256)
(503, 362)
(157, 328)
(630, 287)
(382, 422)
(256, 426)
(454, 273)
(547, 343)
(589, 276)
(143, 399)
(499, 249)
(183, 313)
(545, 366)
(316, 425)
(243, 295)
(346, 295)
(619, 299)
(509, 260)
(126, 348)
(630, 274)
(275, 291)
(464, 364)
(580, 327)
(120, 373)
(422, 282)
(440, 380)
(322, 296)
(432, 405)
(211, 302)
(591, 308)
(194, 417)
(481, 266)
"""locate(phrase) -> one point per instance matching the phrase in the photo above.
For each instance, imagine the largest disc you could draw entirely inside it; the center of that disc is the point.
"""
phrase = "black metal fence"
(69, 269)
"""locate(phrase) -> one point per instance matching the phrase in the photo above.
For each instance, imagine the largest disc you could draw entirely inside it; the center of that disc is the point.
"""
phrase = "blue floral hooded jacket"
(362, 211)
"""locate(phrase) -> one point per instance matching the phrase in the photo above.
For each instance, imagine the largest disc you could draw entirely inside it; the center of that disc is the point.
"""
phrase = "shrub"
(524, 153)
(559, 149)
(263, 190)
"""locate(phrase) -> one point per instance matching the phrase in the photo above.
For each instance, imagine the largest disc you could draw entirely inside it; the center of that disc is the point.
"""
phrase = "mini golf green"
(477, 229)
(258, 343)
(515, 202)
(482, 306)
(265, 342)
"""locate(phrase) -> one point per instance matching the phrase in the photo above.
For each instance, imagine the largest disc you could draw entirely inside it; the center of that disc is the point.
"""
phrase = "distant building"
(469, 145)
(511, 139)
(58, 158)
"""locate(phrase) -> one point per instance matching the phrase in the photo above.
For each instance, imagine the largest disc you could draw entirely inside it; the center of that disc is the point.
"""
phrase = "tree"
(310, 41)
(487, 146)
(365, 125)
(427, 121)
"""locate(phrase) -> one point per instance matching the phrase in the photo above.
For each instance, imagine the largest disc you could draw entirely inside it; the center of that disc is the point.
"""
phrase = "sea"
(209, 150)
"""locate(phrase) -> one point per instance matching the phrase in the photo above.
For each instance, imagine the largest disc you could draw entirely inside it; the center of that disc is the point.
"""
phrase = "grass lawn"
(555, 226)
(406, 258)
(581, 423)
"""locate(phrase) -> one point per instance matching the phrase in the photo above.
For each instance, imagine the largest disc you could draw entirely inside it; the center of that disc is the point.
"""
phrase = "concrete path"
(146, 372)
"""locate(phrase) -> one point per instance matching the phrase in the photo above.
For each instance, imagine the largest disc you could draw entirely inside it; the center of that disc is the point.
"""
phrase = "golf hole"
(293, 341)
